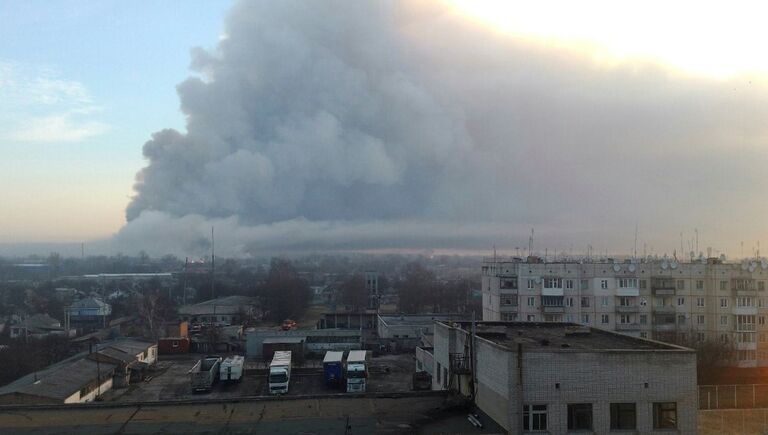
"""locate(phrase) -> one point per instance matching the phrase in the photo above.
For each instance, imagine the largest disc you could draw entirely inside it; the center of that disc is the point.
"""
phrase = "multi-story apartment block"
(666, 300)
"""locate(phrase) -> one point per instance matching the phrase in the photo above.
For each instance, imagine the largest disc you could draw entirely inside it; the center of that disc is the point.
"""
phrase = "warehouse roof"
(61, 380)
(552, 336)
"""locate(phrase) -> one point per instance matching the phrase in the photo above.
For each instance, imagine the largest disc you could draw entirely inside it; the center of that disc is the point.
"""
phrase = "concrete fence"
(746, 396)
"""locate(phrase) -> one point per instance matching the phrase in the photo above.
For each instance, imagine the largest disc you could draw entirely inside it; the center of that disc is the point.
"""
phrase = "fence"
(733, 396)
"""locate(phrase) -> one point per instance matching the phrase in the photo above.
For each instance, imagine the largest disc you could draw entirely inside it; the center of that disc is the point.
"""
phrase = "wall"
(103, 388)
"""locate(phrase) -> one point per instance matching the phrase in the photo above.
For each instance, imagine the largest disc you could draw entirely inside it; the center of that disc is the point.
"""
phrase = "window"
(625, 319)
(569, 284)
(603, 283)
(723, 320)
(723, 285)
(535, 417)
(681, 319)
(569, 318)
(604, 319)
(699, 302)
(584, 284)
(761, 286)
(445, 376)
(175, 343)
(625, 302)
(568, 302)
(643, 335)
(762, 337)
(724, 338)
(509, 317)
(531, 284)
(665, 415)
(700, 319)
(580, 416)
(604, 302)
(761, 320)
(510, 301)
(643, 283)
(623, 416)
(510, 283)
(643, 302)
(531, 301)
(700, 337)
(585, 302)
(585, 318)
(723, 302)
(680, 284)
(627, 282)
(699, 284)
(531, 317)
(680, 301)
(553, 283)
(438, 373)
(643, 319)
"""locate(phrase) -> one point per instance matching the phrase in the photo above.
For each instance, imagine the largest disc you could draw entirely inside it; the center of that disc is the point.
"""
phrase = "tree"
(354, 293)
(154, 308)
(285, 294)
(417, 288)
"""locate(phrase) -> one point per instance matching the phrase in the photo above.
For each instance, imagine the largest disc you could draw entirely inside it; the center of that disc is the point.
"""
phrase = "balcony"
(627, 308)
(664, 327)
(627, 327)
(508, 308)
(628, 291)
(508, 291)
(552, 291)
(744, 311)
(746, 346)
(669, 309)
(748, 292)
(664, 292)
(549, 309)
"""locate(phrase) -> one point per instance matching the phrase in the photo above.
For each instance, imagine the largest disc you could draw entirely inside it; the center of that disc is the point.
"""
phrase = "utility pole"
(184, 294)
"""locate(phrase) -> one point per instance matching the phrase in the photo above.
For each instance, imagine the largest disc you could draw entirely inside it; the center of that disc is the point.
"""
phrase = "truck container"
(333, 367)
(280, 372)
(232, 368)
(357, 371)
(205, 373)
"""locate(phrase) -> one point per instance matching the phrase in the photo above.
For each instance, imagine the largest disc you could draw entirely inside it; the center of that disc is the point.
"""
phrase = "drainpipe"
(520, 385)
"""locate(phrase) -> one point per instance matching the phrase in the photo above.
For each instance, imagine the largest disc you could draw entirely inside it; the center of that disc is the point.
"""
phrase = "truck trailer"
(205, 373)
(333, 367)
(280, 372)
(232, 368)
(357, 371)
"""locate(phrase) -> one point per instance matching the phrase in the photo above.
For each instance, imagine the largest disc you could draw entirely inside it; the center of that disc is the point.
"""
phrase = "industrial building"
(664, 299)
(224, 311)
(262, 341)
(558, 377)
(407, 331)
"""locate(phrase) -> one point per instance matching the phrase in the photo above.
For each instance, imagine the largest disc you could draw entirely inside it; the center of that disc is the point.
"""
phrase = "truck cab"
(280, 372)
(356, 371)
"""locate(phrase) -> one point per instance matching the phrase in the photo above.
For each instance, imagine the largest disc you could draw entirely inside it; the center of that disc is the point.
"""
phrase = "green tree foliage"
(285, 294)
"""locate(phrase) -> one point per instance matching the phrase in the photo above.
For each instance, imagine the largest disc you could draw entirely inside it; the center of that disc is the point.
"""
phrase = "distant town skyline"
(450, 126)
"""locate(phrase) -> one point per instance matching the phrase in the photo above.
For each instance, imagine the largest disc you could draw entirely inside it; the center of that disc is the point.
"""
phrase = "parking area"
(168, 380)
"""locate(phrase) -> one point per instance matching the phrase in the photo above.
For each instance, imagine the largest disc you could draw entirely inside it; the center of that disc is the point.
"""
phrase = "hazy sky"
(364, 125)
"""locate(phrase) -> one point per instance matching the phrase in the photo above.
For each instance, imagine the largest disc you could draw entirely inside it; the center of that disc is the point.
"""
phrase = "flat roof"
(553, 337)
(419, 319)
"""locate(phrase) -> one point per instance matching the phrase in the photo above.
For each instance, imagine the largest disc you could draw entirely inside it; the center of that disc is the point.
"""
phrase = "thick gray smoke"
(363, 125)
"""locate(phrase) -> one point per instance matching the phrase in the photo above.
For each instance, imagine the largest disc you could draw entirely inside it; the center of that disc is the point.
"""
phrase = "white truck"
(232, 368)
(356, 371)
(280, 372)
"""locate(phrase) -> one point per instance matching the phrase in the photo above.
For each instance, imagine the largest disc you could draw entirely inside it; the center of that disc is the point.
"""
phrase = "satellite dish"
(664, 264)
(764, 264)
(752, 267)
(744, 265)
(616, 267)
(632, 268)
(673, 264)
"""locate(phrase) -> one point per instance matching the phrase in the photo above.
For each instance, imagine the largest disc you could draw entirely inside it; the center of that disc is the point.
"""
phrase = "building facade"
(566, 378)
(667, 300)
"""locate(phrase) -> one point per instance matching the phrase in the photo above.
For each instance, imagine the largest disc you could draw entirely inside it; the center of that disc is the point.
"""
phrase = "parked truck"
(280, 372)
(205, 373)
(357, 371)
(232, 368)
(333, 367)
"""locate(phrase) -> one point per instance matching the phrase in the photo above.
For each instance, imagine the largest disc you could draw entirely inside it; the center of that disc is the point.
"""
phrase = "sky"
(447, 125)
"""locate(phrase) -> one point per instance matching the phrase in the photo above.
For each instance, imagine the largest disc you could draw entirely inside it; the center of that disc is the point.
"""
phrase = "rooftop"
(60, 380)
(224, 305)
(557, 337)
(419, 319)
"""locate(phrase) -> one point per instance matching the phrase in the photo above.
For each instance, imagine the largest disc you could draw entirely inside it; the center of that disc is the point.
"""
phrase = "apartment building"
(662, 299)
(565, 378)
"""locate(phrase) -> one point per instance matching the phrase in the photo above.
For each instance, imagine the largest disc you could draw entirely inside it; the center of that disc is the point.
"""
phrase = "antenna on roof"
(530, 243)
(634, 252)
(213, 266)
(696, 230)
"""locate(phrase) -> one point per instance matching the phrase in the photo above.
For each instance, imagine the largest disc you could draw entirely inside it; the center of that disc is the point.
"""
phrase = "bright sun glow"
(716, 39)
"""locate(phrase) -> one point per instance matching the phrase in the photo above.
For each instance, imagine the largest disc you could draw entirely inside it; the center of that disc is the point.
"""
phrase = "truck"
(357, 371)
(232, 368)
(333, 367)
(205, 373)
(280, 372)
